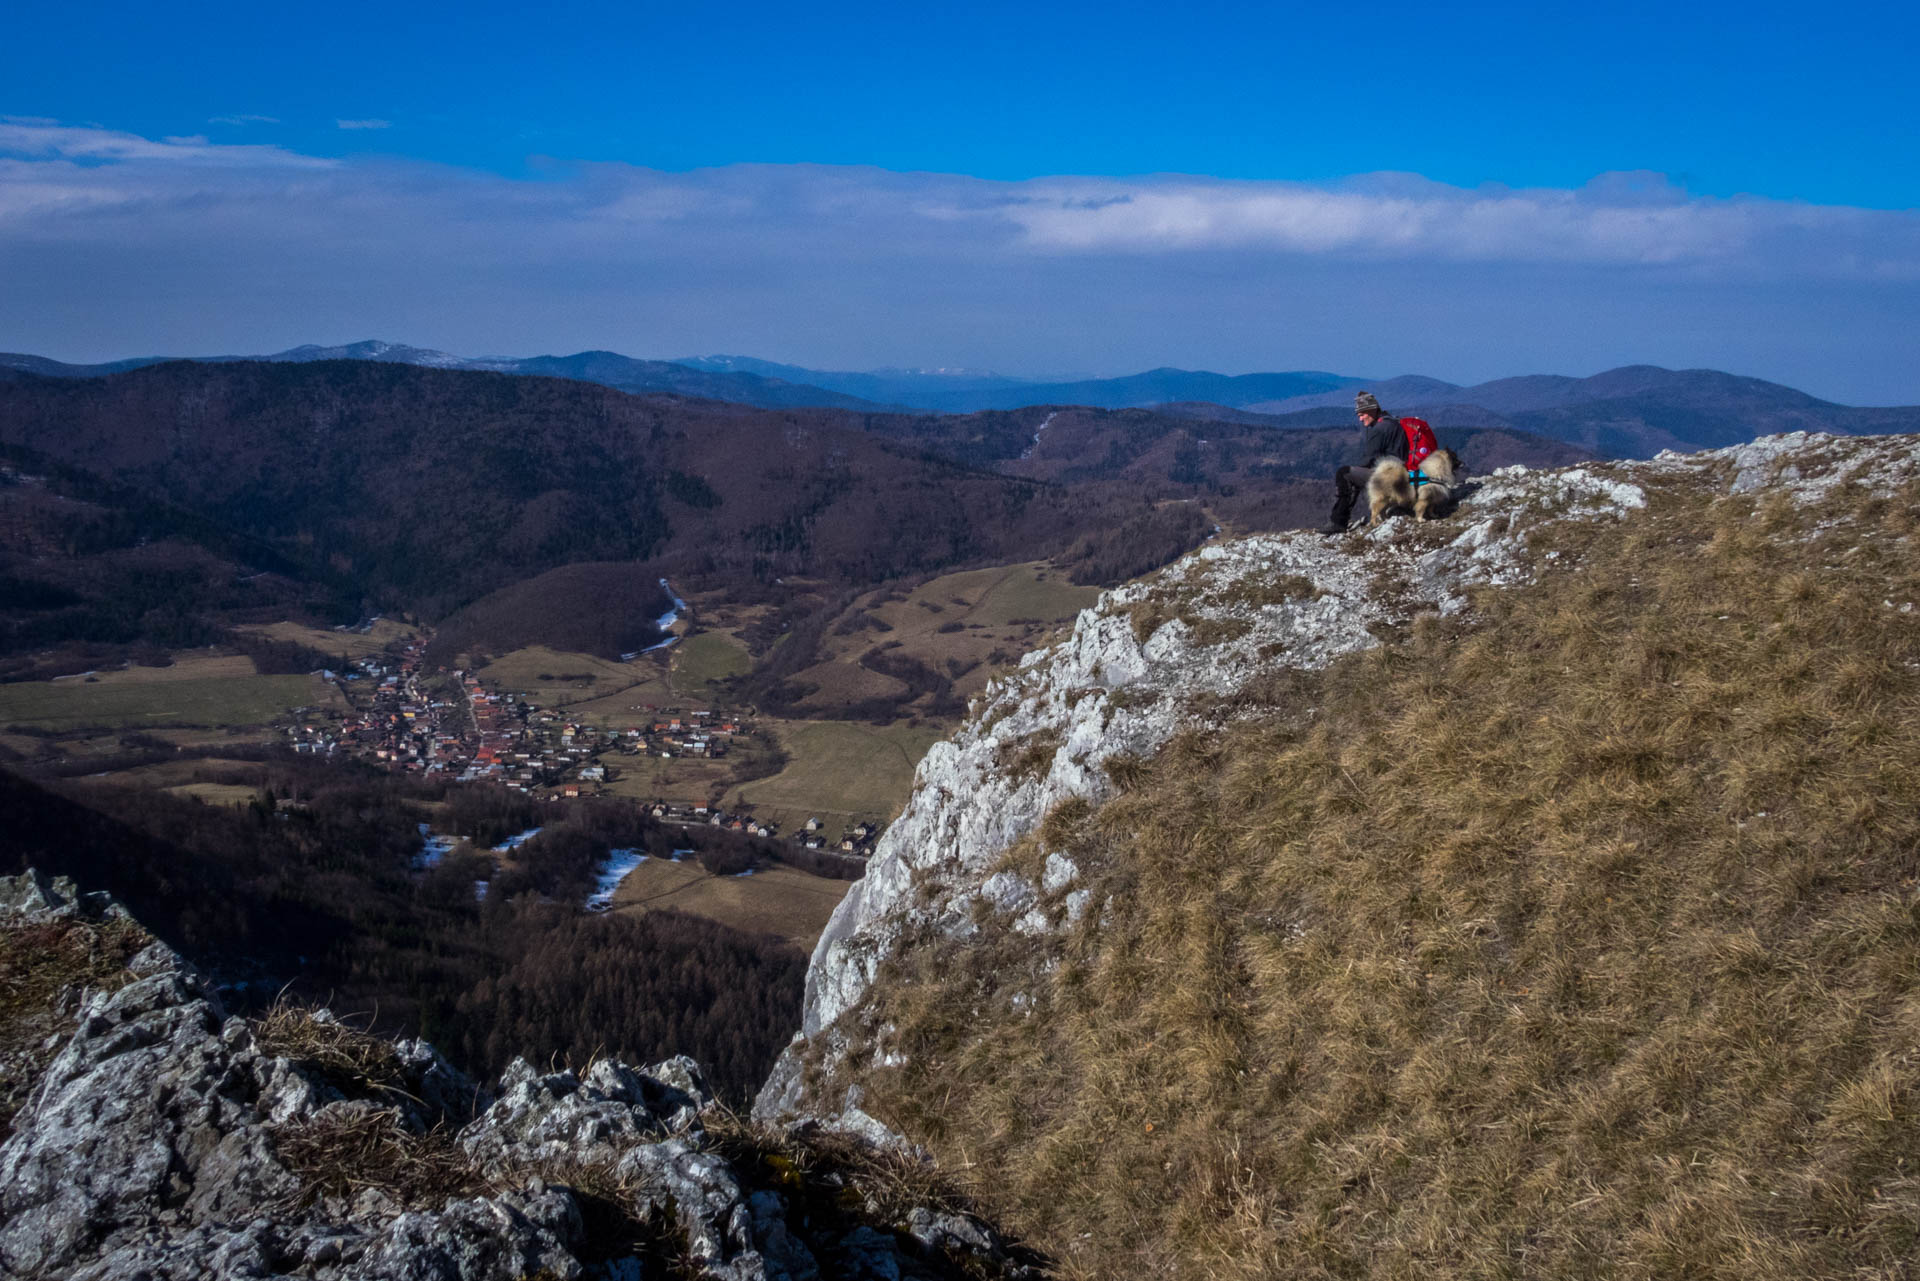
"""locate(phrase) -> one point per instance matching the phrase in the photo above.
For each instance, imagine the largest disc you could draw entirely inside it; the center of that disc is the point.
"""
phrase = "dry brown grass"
(788, 904)
(1581, 943)
(355, 1062)
(342, 1153)
(38, 964)
(1028, 757)
(835, 1182)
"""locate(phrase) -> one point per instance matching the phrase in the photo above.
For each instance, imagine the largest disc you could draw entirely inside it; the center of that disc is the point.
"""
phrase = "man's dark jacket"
(1384, 439)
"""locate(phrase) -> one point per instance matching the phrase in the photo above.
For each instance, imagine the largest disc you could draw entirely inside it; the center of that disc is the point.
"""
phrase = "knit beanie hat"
(1364, 403)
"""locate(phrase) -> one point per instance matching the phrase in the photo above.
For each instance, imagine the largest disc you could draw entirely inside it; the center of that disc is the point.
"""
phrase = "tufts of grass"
(39, 965)
(342, 1152)
(1028, 757)
(355, 1062)
(1579, 941)
(1258, 591)
(1145, 617)
(1216, 631)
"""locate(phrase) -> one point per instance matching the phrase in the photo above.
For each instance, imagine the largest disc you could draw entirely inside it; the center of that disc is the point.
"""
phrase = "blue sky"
(858, 185)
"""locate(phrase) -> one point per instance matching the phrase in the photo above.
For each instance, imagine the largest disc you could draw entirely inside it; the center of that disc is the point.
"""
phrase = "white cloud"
(41, 142)
(364, 124)
(1061, 272)
(1617, 220)
(243, 119)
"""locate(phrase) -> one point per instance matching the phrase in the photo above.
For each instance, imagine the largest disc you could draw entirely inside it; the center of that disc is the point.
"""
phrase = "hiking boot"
(1331, 528)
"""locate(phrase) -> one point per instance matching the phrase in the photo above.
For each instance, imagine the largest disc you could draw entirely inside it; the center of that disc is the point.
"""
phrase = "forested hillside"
(314, 889)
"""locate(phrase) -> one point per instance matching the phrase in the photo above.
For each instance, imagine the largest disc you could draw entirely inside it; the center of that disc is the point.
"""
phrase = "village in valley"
(416, 721)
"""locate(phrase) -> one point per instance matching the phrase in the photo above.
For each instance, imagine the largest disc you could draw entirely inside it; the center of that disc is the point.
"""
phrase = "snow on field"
(436, 848)
(515, 842)
(611, 873)
(672, 616)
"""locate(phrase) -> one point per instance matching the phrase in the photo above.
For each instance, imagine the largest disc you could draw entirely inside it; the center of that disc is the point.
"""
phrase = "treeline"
(1139, 545)
(313, 884)
(597, 608)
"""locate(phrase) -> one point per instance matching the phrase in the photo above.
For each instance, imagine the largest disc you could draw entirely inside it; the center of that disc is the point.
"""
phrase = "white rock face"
(1104, 691)
(151, 1149)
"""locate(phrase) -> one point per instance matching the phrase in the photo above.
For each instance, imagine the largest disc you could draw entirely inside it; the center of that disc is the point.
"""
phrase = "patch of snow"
(515, 842)
(1044, 424)
(672, 616)
(438, 846)
(608, 875)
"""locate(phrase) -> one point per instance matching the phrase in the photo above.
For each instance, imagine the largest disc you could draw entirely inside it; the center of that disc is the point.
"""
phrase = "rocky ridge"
(1171, 652)
(167, 1140)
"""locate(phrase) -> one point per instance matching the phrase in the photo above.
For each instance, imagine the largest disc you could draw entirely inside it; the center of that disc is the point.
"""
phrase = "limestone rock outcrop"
(166, 1140)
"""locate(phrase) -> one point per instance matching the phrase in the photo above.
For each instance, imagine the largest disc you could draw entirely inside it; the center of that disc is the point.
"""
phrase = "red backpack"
(1420, 441)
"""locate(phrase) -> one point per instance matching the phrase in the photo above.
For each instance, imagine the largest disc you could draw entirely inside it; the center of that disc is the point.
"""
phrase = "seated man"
(1380, 437)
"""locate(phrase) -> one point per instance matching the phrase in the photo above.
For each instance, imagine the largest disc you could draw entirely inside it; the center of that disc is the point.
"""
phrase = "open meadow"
(838, 768)
(687, 780)
(789, 905)
(963, 626)
(145, 697)
(596, 688)
(703, 659)
(343, 642)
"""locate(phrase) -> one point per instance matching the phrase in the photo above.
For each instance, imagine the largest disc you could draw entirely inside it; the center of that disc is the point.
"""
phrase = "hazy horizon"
(1467, 194)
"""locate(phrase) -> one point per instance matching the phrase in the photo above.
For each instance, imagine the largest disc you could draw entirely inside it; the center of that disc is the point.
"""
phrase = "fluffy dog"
(1392, 486)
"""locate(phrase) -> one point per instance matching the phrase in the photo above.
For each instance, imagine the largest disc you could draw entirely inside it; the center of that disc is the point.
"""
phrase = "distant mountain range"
(607, 368)
(1630, 412)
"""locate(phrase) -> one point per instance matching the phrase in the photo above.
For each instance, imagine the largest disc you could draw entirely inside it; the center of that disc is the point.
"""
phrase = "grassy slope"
(134, 704)
(328, 640)
(779, 901)
(839, 768)
(707, 657)
(559, 680)
(1627, 989)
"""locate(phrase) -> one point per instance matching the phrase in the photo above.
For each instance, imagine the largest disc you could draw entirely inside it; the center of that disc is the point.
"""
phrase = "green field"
(238, 700)
(839, 768)
(707, 657)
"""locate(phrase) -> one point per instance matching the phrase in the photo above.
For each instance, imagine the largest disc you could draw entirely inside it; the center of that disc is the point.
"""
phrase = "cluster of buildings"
(393, 719)
(857, 839)
(453, 724)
